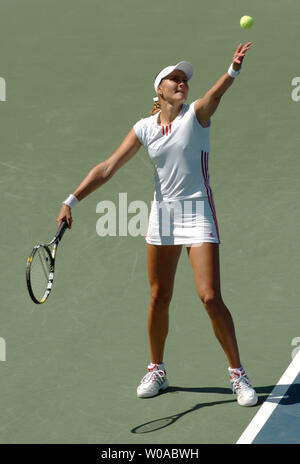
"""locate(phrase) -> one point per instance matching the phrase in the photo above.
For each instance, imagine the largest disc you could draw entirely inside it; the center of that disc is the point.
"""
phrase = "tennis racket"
(40, 267)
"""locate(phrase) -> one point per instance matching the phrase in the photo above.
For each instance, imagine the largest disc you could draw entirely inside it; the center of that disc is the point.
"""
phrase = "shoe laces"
(154, 376)
(240, 381)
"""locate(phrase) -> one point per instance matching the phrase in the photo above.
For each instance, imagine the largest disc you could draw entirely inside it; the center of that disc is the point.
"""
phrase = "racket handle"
(61, 230)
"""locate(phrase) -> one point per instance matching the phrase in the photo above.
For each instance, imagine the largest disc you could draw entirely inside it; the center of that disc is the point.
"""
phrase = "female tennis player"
(176, 136)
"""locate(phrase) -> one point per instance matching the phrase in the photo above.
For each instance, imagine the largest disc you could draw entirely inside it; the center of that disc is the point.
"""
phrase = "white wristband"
(232, 73)
(71, 201)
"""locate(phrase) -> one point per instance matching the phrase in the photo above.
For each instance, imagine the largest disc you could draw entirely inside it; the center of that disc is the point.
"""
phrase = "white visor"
(184, 66)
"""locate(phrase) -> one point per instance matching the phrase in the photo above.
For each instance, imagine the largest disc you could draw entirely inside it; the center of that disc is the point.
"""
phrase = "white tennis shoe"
(241, 386)
(154, 381)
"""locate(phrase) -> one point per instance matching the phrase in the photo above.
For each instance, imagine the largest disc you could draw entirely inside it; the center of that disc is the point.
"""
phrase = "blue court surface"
(278, 419)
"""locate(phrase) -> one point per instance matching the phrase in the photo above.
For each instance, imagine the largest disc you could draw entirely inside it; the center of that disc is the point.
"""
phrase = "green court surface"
(79, 74)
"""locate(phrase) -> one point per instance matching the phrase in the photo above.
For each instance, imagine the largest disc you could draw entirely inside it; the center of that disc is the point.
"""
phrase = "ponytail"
(156, 107)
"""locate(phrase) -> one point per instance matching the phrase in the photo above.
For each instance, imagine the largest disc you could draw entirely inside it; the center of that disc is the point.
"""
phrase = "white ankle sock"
(236, 369)
(159, 366)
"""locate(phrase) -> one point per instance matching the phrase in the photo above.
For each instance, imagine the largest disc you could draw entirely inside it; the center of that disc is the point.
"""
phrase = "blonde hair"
(156, 108)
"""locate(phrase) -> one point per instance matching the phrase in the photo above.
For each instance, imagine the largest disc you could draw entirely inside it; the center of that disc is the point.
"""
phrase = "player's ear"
(159, 90)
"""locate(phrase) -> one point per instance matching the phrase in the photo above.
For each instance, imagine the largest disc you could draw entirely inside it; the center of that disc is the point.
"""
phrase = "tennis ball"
(246, 22)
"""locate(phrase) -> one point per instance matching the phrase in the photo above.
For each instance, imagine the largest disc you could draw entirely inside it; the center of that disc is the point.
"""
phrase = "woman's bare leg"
(162, 264)
(205, 263)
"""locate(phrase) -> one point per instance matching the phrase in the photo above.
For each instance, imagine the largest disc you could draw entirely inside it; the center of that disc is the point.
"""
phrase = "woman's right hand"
(239, 55)
(64, 214)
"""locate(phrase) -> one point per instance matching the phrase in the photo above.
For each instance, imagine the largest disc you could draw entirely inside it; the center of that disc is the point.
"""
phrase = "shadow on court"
(286, 394)
(292, 396)
(163, 422)
(221, 391)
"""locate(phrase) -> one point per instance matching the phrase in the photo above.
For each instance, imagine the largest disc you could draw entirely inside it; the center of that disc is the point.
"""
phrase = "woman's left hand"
(239, 55)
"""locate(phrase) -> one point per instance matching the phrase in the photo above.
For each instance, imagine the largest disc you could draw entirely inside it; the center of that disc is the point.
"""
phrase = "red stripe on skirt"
(204, 162)
(210, 196)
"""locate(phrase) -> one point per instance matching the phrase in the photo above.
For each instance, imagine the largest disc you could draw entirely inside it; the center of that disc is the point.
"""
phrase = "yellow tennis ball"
(246, 22)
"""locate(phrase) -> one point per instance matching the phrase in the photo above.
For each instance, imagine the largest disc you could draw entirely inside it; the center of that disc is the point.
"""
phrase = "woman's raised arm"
(206, 106)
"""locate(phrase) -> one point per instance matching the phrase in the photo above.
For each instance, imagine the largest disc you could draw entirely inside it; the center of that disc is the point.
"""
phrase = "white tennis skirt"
(183, 222)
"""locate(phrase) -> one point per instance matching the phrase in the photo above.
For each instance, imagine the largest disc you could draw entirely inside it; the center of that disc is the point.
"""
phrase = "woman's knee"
(160, 297)
(211, 299)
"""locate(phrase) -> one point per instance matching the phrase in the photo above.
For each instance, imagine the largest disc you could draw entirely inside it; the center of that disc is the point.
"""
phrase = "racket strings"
(40, 267)
(40, 272)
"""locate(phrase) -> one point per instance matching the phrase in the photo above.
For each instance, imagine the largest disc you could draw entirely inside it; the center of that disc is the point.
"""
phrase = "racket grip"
(61, 230)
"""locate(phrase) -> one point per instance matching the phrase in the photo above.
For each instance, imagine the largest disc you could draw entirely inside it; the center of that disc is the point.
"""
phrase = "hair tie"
(155, 99)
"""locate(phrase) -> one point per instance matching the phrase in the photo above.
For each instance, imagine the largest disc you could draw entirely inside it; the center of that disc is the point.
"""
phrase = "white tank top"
(179, 153)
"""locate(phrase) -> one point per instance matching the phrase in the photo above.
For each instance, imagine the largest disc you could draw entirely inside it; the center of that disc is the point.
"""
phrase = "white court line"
(271, 402)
